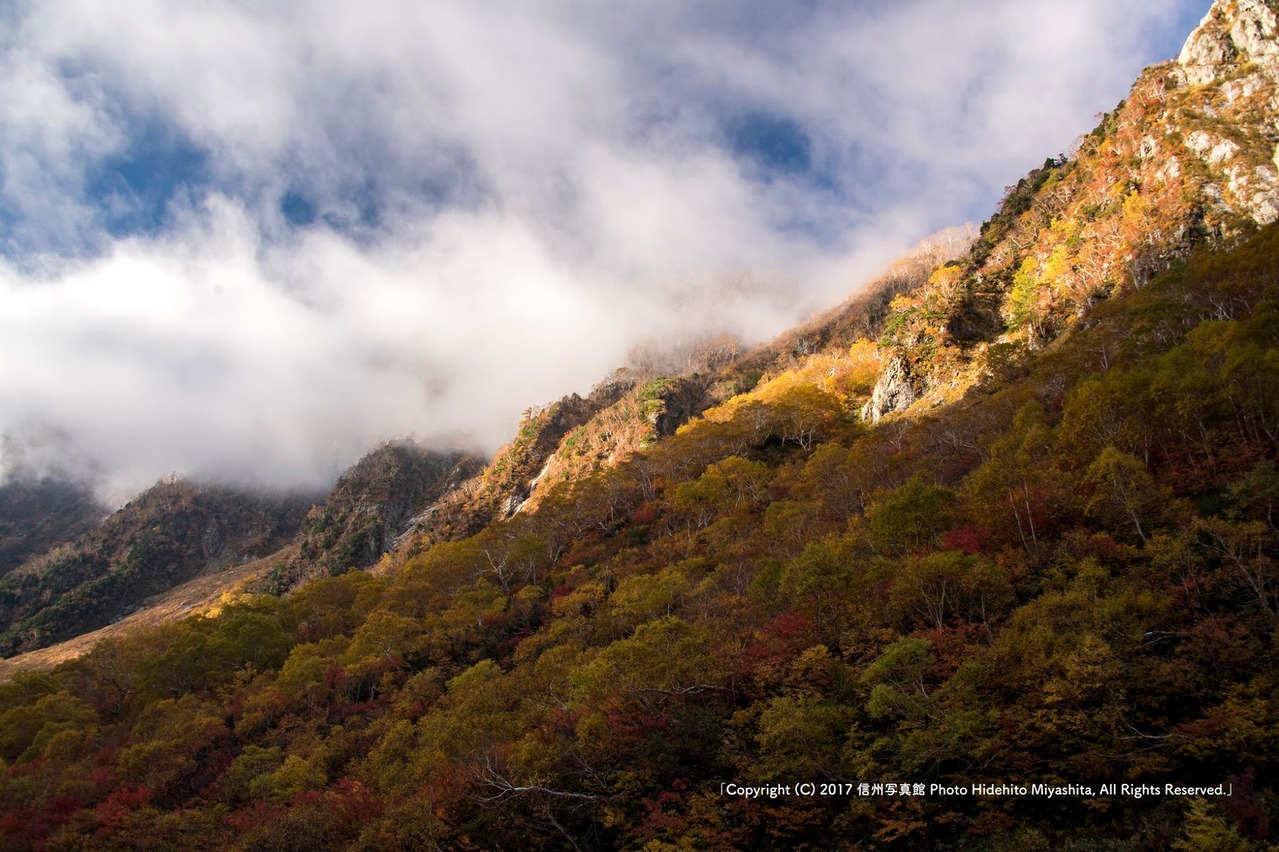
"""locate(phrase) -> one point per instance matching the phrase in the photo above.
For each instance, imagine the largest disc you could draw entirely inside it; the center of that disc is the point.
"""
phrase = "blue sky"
(252, 241)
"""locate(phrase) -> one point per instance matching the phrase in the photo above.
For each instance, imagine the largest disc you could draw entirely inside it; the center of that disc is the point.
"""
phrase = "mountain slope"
(170, 534)
(1054, 562)
(1189, 157)
(654, 398)
(38, 514)
(499, 490)
(373, 505)
(76, 589)
(205, 594)
(1001, 592)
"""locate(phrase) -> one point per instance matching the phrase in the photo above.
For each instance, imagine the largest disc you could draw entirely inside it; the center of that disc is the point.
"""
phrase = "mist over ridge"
(249, 247)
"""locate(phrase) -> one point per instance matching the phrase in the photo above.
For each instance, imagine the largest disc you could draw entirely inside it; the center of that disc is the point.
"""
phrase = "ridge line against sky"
(249, 241)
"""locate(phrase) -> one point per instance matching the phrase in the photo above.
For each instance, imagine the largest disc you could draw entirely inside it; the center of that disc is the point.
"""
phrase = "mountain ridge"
(1045, 552)
(37, 514)
(170, 533)
(1188, 157)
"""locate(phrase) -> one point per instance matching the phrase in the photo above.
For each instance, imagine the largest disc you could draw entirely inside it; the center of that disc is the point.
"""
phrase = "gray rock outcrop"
(1233, 32)
(895, 390)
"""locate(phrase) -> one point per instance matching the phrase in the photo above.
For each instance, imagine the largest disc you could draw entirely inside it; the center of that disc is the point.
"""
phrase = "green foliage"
(902, 667)
(1023, 305)
(26, 729)
(911, 517)
(801, 737)
(1207, 832)
(1122, 488)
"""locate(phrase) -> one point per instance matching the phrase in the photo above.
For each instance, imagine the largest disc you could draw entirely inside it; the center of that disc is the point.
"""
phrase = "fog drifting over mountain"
(249, 241)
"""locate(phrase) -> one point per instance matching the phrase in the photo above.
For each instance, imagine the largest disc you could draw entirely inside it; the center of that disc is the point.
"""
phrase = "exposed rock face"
(1232, 33)
(374, 502)
(895, 391)
(1236, 48)
(680, 401)
(506, 484)
(1188, 157)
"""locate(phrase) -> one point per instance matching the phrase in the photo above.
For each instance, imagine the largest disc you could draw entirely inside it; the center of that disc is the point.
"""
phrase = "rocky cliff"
(372, 505)
(1188, 158)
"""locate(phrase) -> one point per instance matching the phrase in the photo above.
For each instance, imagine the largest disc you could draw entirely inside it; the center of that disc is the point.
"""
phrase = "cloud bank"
(249, 241)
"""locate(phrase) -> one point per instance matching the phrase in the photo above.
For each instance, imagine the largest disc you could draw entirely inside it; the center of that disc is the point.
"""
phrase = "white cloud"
(201, 353)
(509, 195)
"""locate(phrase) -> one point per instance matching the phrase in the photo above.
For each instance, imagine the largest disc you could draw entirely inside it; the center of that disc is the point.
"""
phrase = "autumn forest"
(1009, 516)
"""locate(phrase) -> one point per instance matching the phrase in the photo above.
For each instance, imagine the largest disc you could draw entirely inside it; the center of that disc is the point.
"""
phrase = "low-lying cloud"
(249, 242)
